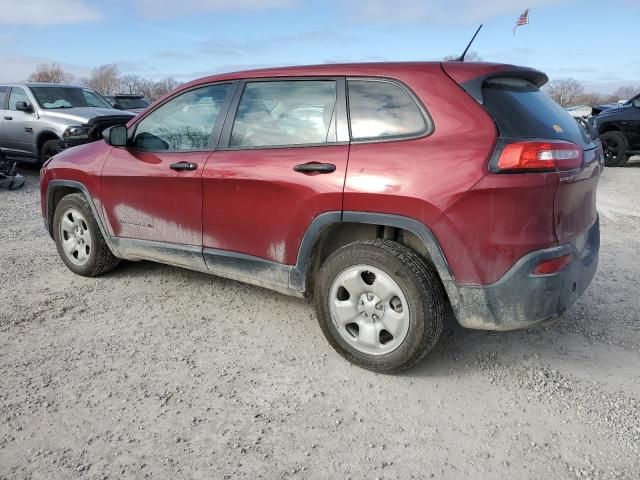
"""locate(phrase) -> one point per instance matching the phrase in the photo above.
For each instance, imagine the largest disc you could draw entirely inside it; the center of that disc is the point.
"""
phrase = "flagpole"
(527, 41)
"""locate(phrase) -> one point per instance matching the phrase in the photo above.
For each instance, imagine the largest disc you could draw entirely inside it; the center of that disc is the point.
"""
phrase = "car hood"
(81, 115)
(612, 113)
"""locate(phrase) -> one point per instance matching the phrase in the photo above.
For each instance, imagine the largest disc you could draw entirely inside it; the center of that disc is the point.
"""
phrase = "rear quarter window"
(522, 110)
(3, 97)
(380, 109)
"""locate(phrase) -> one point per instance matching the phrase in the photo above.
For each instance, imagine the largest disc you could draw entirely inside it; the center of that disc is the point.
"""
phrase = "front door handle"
(183, 166)
(8, 118)
(315, 167)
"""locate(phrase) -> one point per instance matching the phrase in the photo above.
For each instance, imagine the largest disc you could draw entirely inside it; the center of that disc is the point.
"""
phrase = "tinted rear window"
(522, 110)
(3, 96)
(381, 109)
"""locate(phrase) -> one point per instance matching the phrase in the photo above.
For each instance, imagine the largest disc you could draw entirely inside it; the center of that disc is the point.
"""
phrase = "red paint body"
(252, 202)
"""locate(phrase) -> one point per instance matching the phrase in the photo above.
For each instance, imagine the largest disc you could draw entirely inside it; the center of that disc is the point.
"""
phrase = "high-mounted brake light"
(540, 156)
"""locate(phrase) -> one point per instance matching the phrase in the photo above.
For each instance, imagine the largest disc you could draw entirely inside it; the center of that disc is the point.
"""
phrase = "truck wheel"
(78, 238)
(49, 149)
(614, 145)
(379, 305)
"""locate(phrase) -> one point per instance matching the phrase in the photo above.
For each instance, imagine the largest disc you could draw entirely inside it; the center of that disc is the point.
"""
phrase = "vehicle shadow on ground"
(458, 351)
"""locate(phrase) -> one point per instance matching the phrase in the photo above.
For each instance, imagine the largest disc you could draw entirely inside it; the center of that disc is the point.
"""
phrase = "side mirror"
(24, 107)
(116, 136)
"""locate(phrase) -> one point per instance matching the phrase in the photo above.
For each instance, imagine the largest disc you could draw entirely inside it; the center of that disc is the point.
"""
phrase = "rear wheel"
(80, 243)
(614, 145)
(379, 305)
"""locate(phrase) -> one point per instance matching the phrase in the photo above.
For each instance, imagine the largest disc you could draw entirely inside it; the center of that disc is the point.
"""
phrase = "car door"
(281, 163)
(632, 124)
(19, 125)
(152, 189)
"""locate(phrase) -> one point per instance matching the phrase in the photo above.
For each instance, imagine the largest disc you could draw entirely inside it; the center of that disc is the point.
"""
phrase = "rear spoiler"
(471, 76)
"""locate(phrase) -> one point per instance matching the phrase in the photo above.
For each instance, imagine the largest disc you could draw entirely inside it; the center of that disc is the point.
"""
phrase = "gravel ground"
(157, 372)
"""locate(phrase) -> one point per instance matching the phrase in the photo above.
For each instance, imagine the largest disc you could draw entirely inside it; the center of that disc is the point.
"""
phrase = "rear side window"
(279, 113)
(522, 110)
(383, 110)
(3, 96)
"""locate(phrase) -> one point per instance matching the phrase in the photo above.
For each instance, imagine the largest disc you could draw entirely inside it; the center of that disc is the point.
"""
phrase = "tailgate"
(575, 203)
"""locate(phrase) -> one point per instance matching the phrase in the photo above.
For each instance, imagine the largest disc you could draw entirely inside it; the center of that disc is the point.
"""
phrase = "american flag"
(522, 20)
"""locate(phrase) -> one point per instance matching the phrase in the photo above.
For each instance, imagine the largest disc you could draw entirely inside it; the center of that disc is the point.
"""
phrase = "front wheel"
(50, 148)
(80, 243)
(379, 305)
(614, 145)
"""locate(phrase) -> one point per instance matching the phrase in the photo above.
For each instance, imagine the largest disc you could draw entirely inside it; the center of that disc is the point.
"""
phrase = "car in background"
(38, 120)
(130, 103)
(619, 131)
(384, 191)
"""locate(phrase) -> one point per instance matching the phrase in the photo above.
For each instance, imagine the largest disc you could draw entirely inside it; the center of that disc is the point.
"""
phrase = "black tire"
(100, 259)
(49, 149)
(420, 285)
(615, 148)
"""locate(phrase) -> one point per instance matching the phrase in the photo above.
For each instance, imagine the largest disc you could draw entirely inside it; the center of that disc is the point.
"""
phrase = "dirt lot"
(158, 372)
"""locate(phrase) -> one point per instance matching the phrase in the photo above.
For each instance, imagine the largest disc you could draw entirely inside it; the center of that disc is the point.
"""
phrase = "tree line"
(569, 92)
(107, 80)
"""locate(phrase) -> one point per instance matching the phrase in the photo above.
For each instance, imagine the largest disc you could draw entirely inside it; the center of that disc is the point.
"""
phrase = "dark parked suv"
(382, 191)
(619, 130)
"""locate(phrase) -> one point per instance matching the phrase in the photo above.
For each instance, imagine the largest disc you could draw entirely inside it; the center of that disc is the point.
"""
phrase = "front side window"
(184, 123)
(279, 113)
(95, 100)
(381, 109)
(17, 95)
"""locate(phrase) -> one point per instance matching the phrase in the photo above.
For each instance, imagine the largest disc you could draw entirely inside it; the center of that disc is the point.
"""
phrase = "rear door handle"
(8, 118)
(315, 167)
(183, 166)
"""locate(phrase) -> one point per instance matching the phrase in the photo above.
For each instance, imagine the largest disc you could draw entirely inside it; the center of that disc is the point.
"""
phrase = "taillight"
(540, 156)
(553, 265)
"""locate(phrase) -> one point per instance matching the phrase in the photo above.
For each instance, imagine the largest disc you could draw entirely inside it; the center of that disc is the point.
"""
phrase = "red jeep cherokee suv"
(380, 190)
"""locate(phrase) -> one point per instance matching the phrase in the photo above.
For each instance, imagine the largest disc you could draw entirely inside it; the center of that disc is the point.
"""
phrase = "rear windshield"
(522, 110)
(131, 102)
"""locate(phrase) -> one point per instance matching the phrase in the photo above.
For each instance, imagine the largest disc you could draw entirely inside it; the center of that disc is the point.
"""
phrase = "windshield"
(65, 97)
(128, 102)
(522, 110)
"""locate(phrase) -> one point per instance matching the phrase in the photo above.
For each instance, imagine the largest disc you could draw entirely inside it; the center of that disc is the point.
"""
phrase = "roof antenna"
(461, 57)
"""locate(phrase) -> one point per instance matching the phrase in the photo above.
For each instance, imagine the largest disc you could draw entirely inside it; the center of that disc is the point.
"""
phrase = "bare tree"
(105, 79)
(131, 84)
(565, 91)
(154, 90)
(147, 88)
(469, 57)
(591, 99)
(163, 87)
(626, 92)
(51, 73)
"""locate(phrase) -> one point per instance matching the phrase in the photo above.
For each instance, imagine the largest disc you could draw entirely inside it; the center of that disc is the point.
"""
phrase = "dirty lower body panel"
(520, 298)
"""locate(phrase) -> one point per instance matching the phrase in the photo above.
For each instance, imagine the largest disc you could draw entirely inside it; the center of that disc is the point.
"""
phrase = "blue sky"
(191, 38)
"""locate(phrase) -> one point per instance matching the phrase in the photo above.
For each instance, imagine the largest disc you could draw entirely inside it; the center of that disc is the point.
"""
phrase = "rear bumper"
(520, 299)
